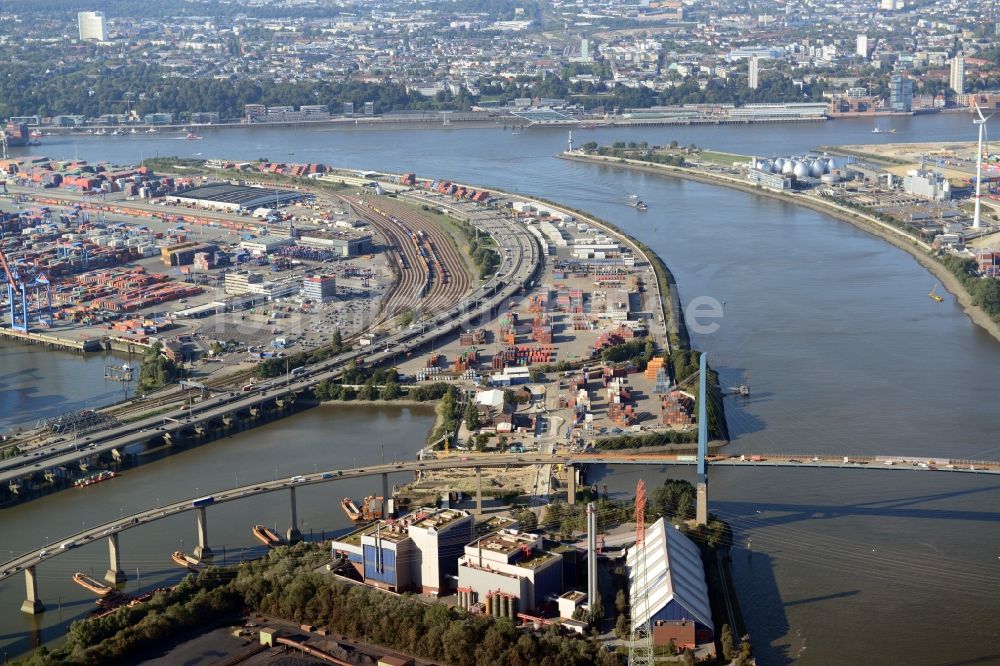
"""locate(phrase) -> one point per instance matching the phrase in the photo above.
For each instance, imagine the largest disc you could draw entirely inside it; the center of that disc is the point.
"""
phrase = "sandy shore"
(896, 237)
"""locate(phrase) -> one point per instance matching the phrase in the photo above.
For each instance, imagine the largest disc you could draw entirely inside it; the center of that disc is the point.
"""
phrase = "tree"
(391, 391)
(156, 370)
(528, 519)
(368, 391)
(472, 416)
(621, 602)
(337, 342)
(726, 639)
(623, 627)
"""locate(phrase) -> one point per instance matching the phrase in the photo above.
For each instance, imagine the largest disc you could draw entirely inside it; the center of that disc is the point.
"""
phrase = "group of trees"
(985, 292)
(284, 584)
(449, 413)
(637, 350)
(156, 370)
(275, 367)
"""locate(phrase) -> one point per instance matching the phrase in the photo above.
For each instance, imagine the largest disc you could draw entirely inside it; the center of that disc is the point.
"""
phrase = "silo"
(801, 170)
(816, 168)
(787, 168)
(496, 605)
(779, 165)
(828, 165)
(489, 604)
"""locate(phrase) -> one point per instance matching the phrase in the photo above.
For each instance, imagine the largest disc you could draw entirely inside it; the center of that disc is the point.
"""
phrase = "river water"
(843, 350)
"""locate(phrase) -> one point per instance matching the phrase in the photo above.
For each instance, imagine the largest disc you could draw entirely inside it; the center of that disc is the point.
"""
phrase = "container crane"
(24, 291)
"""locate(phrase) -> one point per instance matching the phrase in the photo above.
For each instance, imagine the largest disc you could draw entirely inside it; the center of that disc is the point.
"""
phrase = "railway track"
(447, 277)
(432, 274)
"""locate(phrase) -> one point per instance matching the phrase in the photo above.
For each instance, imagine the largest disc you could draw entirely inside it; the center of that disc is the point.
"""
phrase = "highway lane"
(35, 556)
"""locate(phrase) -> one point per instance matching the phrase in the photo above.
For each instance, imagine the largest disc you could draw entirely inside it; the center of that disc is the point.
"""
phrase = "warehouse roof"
(674, 573)
(243, 195)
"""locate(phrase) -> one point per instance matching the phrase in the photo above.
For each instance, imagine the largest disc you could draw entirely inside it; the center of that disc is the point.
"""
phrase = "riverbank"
(896, 237)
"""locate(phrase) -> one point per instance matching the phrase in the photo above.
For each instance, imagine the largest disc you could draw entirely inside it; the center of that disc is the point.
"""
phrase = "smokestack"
(591, 553)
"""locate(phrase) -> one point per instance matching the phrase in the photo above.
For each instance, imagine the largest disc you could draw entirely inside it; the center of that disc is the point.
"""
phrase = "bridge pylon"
(115, 574)
(701, 503)
(293, 535)
(31, 604)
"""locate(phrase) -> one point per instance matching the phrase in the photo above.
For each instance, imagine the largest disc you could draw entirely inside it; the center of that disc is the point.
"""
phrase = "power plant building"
(418, 552)
(667, 583)
(510, 571)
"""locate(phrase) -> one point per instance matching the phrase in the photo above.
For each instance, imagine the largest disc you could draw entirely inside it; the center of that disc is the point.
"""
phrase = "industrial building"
(342, 243)
(235, 198)
(319, 288)
(667, 586)
(418, 552)
(238, 283)
(926, 183)
(510, 571)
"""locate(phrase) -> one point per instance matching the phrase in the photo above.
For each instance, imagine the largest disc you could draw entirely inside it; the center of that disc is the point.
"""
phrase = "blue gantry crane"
(29, 295)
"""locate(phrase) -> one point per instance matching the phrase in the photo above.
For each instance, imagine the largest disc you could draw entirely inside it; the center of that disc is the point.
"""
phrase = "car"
(42, 553)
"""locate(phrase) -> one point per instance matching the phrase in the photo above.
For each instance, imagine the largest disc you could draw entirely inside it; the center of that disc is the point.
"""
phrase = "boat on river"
(372, 508)
(934, 296)
(95, 586)
(186, 561)
(267, 536)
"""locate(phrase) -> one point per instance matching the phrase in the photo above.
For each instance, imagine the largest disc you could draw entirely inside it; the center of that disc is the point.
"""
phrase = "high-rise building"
(584, 50)
(754, 77)
(92, 26)
(957, 80)
(862, 47)
(900, 93)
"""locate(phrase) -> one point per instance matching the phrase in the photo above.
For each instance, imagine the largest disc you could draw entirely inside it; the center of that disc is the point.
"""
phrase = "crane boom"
(6, 269)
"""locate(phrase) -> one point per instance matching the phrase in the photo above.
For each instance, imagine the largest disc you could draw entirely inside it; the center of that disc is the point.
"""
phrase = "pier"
(52, 341)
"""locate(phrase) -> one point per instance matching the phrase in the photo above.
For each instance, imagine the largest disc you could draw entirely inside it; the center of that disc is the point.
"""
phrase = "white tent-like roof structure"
(674, 573)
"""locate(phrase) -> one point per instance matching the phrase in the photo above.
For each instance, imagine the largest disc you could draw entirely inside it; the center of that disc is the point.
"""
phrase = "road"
(471, 461)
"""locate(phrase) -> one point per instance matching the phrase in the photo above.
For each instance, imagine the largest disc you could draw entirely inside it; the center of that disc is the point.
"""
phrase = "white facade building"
(92, 26)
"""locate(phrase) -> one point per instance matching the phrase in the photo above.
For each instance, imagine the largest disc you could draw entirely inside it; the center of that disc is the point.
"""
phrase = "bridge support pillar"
(202, 551)
(479, 491)
(31, 605)
(115, 574)
(293, 535)
(570, 484)
(701, 508)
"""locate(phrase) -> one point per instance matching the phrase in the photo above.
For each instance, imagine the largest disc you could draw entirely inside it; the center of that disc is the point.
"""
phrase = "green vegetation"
(186, 165)
(449, 412)
(283, 584)
(275, 367)
(659, 438)
(196, 603)
(685, 363)
(985, 292)
(156, 370)
(638, 351)
(479, 247)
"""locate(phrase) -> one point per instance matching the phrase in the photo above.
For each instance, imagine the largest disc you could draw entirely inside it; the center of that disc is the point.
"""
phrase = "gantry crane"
(28, 292)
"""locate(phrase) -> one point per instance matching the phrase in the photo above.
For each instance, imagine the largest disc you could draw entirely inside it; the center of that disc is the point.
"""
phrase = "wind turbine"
(981, 121)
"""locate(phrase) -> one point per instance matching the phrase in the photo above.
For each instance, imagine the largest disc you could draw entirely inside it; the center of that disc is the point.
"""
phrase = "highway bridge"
(28, 561)
(519, 269)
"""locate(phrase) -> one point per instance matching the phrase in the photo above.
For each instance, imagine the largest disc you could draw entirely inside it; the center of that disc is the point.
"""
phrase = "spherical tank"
(801, 170)
(787, 168)
(779, 164)
(816, 168)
